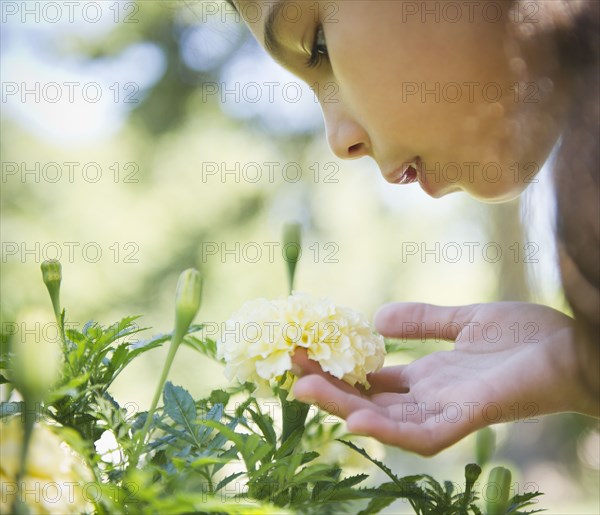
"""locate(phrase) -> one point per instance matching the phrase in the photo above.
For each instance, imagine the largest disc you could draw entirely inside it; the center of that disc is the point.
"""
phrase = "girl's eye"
(319, 49)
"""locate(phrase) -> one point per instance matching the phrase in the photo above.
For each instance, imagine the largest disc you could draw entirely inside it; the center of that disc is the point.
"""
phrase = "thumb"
(416, 320)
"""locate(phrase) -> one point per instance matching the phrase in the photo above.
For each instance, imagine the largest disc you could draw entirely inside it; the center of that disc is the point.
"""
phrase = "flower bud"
(497, 492)
(52, 276)
(292, 249)
(472, 472)
(485, 445)
(187, 299)
(37, 365)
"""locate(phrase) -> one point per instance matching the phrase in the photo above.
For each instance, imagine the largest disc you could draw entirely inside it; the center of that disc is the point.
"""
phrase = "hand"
(510, 361)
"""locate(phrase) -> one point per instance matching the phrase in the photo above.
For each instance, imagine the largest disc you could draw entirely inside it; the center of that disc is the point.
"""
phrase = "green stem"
(294, 415)
(29, 416)
(139, 441)
(63, 337)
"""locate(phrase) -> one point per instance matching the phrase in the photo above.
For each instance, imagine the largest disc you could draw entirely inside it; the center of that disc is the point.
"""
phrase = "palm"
(510, 361)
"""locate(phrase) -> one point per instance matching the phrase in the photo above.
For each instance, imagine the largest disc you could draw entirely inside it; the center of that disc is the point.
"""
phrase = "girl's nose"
(347, 138)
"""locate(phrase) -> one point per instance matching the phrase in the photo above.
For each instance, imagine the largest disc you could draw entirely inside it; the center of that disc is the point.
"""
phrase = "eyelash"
(318, 53)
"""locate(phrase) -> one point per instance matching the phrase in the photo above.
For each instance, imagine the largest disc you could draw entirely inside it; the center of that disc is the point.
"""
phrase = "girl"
(389, 61)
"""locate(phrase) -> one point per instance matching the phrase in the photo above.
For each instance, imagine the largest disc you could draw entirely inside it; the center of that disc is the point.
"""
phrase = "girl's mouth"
(407, 173)
(408, 176)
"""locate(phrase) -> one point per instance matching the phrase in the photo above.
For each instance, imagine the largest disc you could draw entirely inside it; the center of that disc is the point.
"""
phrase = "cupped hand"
(510, 361)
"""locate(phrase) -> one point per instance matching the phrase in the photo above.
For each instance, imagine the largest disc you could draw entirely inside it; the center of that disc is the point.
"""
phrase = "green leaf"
(180, 406)
(120, 329)
(218, 441)
(263, 449)
(228, 433)
(376, 505)
(265, 424)
(405, 484)
(119, 356)
(350, 481)
(523, 501)
(69, 389)
(290, 444)
(215, 413)
(219, 397)
(224, 482)
(313, 473)
(203, 461)
(448, 488)
(206, 347)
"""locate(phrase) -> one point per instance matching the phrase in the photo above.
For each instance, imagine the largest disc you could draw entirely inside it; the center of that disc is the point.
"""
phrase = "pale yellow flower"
(56, 479)
(259, 340)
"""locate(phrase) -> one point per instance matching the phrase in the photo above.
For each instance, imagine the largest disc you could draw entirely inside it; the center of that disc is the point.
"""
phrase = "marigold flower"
(260, 339)
(56, 479)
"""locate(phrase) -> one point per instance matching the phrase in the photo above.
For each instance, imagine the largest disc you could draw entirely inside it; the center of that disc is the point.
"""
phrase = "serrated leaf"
(69, 388)
(290, 444)
(264, 449)
(119, 356)
(350, 481)
(218, 441)
(180, 407)
(219, 397)
(203, 461)
(179, 434)
(227, 433)
(207, 347)
(523, 501)
(123, 327)
(376, 505)
(407, 482)
(313, 473)
(215, 413)
(265, 426)
(309, 456)
(224, 482)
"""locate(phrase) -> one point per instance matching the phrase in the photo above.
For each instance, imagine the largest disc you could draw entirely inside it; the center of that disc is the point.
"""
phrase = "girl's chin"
(486, 195)
(497, 196)
(438, 190)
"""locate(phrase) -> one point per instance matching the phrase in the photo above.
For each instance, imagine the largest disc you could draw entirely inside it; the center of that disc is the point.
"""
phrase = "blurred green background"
(159, 155)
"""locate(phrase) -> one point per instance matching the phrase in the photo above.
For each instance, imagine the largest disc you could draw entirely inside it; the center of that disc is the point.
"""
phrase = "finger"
(427, 438)
(414, 320)
(392, 399)
(303, 365)
(315, 389)
(389, 379)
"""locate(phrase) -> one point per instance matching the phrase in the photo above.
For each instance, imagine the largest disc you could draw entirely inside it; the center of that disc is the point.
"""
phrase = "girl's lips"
(408, 176)
(408, 173)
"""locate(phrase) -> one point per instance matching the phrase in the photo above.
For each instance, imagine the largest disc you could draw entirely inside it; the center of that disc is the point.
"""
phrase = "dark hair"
(575, 27)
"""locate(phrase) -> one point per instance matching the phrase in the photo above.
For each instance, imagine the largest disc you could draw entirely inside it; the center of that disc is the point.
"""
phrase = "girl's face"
(433, 91)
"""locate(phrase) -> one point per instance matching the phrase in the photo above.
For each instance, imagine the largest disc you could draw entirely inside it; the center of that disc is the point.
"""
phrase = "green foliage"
(220, 454)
